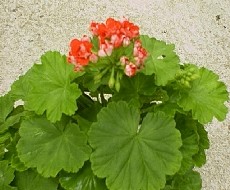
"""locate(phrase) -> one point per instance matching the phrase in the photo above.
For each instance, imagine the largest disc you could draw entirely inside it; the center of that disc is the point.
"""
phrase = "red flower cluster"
(80, 52)
(111, 35)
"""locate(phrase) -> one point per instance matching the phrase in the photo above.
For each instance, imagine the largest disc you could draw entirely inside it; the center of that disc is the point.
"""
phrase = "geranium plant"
(118, 112)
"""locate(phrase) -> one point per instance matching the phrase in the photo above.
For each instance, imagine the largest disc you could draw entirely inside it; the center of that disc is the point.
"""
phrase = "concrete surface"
(199, 29)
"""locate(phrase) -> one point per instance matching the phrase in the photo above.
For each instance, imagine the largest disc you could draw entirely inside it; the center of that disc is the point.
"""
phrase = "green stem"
(103, 100)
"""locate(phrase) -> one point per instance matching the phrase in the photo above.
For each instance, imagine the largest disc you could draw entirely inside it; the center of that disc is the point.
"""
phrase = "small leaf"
(4, 137)
(205, 98)
(52, 90)
(189, 181)
(83, 180)
(10, 121)
(6, 106)
(134, 88)
(190, 140)
(93, 110)
(170, 106)
(12, 155)
(130, 155)
(200, 158)
(2, 151)
(30, 180)
(6, 175)
(52, 147)
(83, 123)
(162, 60)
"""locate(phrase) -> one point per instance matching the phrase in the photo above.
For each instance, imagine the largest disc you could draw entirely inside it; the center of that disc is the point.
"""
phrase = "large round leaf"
(130, 155)
(52, 147)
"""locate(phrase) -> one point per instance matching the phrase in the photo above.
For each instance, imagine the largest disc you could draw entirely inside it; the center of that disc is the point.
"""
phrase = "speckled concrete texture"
(199, 29)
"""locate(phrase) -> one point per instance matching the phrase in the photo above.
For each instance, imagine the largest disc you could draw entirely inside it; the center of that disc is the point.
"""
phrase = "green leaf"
(205, 98)
(52, 90)
(170, 106)
(6, 106)
(130, 155)
(12, 154)
(200, 158)
(4, 137)
(52, 147)
(84, 179)
(189, 181)
(93, 110)
(134, 88)
(2, 151)
(162, 60)
(167, 187)
(21, 87)
(30, 180)
(10, 121)
(6, 175)
(190, 140)
(83, 123)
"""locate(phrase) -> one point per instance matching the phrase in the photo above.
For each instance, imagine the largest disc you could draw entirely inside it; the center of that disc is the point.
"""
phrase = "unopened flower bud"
(186, 83)
(194, 76)
(117, 83)
(188, 79)
(111, 79)
(93, 58)
(126, 41)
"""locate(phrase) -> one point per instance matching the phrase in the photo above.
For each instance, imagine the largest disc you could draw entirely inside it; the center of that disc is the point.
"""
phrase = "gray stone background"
(200, 29)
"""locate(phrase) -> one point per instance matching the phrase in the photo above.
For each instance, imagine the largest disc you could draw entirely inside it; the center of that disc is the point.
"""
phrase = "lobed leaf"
(51, 87)
(130, 155)
(205, 98)
(52, 147)
(162, 60)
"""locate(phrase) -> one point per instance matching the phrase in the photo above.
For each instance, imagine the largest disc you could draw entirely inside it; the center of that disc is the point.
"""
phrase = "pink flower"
(93, 58)
(106, 49)
(124, 60)
(130, 69)
(126, 41)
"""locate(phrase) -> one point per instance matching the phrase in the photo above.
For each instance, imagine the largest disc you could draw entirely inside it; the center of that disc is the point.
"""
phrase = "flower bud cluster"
(186, 76)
